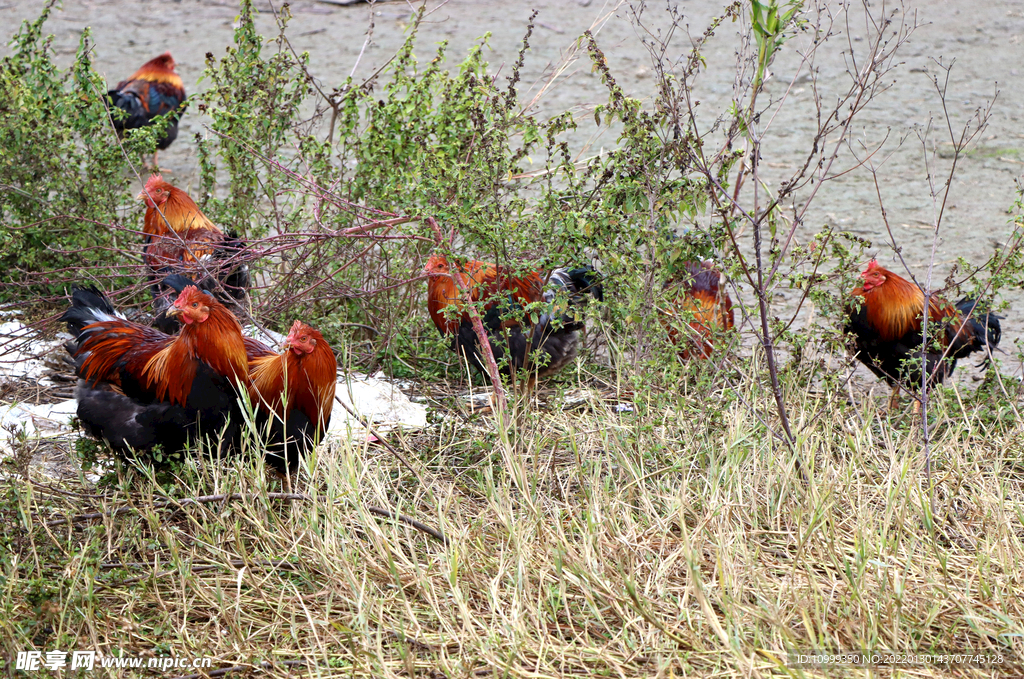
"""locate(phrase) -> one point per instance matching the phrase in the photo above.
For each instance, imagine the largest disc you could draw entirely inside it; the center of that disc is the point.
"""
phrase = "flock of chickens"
(188, 378)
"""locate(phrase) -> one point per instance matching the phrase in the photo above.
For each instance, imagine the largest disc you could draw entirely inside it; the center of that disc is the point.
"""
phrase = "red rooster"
(139, 387)
(706, 310)
(293, 391)
(153, 90)
(179, 238)
(886, 327)
(296, 386)
(549, 344)
(483, 281)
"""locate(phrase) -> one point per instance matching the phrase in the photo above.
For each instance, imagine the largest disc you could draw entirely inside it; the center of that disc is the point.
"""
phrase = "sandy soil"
(983, 36)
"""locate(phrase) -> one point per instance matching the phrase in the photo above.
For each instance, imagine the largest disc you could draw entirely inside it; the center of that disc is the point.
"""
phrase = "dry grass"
(657, 543)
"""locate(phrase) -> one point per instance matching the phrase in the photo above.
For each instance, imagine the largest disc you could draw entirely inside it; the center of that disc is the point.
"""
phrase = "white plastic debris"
(377, 400)
(45, 420)
(479, 400)
(269, 337)
(22, 353)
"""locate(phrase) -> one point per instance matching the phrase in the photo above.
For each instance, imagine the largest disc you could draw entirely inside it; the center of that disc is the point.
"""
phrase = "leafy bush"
(63, 174)
(338, 191)
(455, 147)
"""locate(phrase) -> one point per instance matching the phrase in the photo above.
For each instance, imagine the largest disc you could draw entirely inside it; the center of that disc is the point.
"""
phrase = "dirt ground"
(984, 37)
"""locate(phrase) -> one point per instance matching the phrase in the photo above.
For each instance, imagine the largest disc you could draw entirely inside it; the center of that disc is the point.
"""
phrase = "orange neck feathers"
(482, 279)
(711, 312)
(441, 293)
(217, 341)
(158, 70)
(181, 212)
(169, 206)
(318, 378)
(893, 304)
(305, 382)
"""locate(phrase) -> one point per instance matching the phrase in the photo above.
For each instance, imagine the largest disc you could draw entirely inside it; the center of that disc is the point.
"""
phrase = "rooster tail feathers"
(230, 246)
(177, 281)
(237, 281)
(91, 297)
(983, 331)
(585, 280)
(577, 284)
(132, 107)
(88, 305)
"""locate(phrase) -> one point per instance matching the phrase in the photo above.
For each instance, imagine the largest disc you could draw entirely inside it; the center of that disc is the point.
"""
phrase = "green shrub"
(63, 175)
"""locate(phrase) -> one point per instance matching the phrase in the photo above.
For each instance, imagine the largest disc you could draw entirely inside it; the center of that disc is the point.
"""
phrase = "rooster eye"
(195, 304)
(303, 339)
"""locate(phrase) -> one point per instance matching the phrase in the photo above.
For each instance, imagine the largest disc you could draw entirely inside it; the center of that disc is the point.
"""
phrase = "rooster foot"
(155, 166)
(285, 479)
(894, 400)
(482, 404)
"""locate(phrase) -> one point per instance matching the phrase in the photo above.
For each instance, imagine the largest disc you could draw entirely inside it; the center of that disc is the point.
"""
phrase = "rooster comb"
(153, 181)
(190, 293)
(298, 327)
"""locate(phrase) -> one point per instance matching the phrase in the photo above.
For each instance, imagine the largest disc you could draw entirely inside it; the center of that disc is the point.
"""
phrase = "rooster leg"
(531, 384)
(894, 400)
(483, 408)
(156, 166)
(285, 478)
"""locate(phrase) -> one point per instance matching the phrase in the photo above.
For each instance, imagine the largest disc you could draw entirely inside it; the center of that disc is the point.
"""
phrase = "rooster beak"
(173, 312)
(141, 196)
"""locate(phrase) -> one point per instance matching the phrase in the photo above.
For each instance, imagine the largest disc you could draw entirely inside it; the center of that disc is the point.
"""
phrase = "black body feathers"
(545, 346)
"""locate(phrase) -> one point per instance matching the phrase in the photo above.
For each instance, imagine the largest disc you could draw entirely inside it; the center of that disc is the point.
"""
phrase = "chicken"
(153, 90)
(706, 310)
(139, 387)
(306, 397)
(542, 347)
(179, 238)
(171, 287)
(886, 329)
(296, 385)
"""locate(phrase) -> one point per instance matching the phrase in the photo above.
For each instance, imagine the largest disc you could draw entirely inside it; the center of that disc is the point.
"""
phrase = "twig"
(228, 497)
(204, 499)
(432, 532)
(242, 668)
(391, 449)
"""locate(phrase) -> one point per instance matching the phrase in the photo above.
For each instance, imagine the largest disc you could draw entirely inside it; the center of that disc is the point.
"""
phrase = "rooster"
(886, 328)
(296, 386)
(139, 387)
(706, 309)
(179, 237)
(296, 410)
(541, 347)
(153, 90)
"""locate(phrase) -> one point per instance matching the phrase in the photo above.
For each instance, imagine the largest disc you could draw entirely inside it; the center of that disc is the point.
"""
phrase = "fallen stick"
(227, 497)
